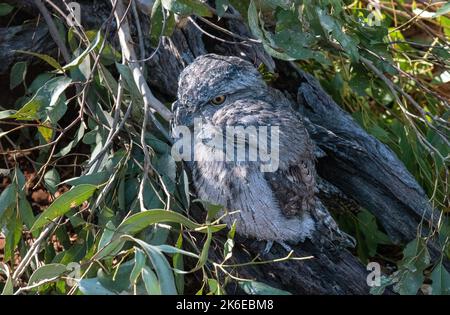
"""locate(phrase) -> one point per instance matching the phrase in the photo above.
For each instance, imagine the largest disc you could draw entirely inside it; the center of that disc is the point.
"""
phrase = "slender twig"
(112, 135)
(76, 27)
(226, 15)
(35, 285)
(81, 90)
(53, 30)
(114, 130)
(215, 37)
(163, 30)
(228, 32)
(34, 250)
(150, 102)
(139, 30)
(146, 158)
(393, 90)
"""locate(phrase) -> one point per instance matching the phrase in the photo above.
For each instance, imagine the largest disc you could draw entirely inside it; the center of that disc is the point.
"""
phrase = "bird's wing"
(293, 182)
(294, 187)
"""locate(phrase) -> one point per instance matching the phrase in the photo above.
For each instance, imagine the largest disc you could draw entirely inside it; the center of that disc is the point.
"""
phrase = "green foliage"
(186, 7)
(410, 275)
(48, 59)
(5, 9)
(162, 23)
(331, 37)
(18, 73)
(112, 239)
(366, 231)
(441, 280)
(400, 103)
(258, 288)
(64, 203)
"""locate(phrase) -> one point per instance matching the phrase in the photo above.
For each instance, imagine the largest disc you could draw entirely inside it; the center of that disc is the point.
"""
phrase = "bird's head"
(213, 81)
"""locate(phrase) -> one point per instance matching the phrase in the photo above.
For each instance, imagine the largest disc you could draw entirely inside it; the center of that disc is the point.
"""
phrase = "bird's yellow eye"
(218, 99)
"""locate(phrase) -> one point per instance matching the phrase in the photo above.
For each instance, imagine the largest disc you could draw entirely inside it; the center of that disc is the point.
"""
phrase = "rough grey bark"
(363, 167)
(33, 35)
(27, 37)
(331, 271)
(358, 164)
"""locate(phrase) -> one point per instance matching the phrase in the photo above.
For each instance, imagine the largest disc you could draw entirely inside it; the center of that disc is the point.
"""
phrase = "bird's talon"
(268, 247)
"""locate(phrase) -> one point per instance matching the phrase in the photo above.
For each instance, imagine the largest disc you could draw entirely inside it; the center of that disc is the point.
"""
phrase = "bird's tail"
(327, 230)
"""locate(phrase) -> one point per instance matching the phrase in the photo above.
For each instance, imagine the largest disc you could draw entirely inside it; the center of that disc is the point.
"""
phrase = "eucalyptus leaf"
(8, 289)
(93, 287)
(259, 288)
(187, 7)
(73, 198)
(7, 199)
(46, 273)
(150, 281)
(49, 59)
(441, 280)
(78, 60)
(52, 179)
(18, 73)
(162, 268)
(139, 264)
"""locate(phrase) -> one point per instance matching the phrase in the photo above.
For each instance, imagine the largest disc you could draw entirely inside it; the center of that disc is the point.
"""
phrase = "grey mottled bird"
(273, 206)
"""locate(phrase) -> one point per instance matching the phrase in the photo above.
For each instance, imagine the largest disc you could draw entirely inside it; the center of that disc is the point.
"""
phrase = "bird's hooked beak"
(174, 121)
(181, 116)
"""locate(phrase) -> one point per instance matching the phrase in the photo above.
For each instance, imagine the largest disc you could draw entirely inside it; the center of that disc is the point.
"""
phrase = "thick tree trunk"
(359, 165)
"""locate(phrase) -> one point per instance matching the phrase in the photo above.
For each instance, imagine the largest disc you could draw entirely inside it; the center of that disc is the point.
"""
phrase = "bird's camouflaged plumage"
(274, 206)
